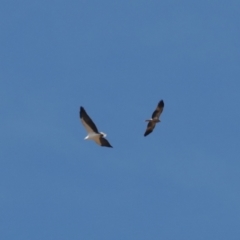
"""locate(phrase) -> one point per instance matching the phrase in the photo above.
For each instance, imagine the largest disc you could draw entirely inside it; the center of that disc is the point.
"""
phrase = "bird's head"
(103, 134)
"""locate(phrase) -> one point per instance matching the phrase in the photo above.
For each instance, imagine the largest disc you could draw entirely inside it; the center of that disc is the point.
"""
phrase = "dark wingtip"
(145, 134)
(81, 111)
(161, 103)
(107, 146)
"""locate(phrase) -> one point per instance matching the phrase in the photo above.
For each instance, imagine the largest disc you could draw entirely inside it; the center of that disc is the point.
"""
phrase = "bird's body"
(155, 118)
(93, 134)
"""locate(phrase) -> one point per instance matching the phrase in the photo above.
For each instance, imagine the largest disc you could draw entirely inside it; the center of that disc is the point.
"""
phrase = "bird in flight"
(155, 118)
(93, 134)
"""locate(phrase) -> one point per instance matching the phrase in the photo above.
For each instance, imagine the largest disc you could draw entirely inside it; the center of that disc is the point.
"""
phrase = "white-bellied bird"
(93, 133)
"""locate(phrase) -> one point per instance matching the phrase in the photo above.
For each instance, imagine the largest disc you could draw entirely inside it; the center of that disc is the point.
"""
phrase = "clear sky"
(118, 59)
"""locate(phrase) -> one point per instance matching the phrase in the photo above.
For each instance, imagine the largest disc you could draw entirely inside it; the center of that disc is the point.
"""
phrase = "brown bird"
(93, 134)
(155, 118)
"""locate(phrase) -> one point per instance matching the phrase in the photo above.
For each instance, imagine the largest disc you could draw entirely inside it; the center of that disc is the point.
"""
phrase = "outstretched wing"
(150, 127)
(104, 142)
(159, 109)
(87, 121)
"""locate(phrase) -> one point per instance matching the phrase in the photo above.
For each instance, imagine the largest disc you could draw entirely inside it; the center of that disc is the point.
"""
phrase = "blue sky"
(118, 59)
